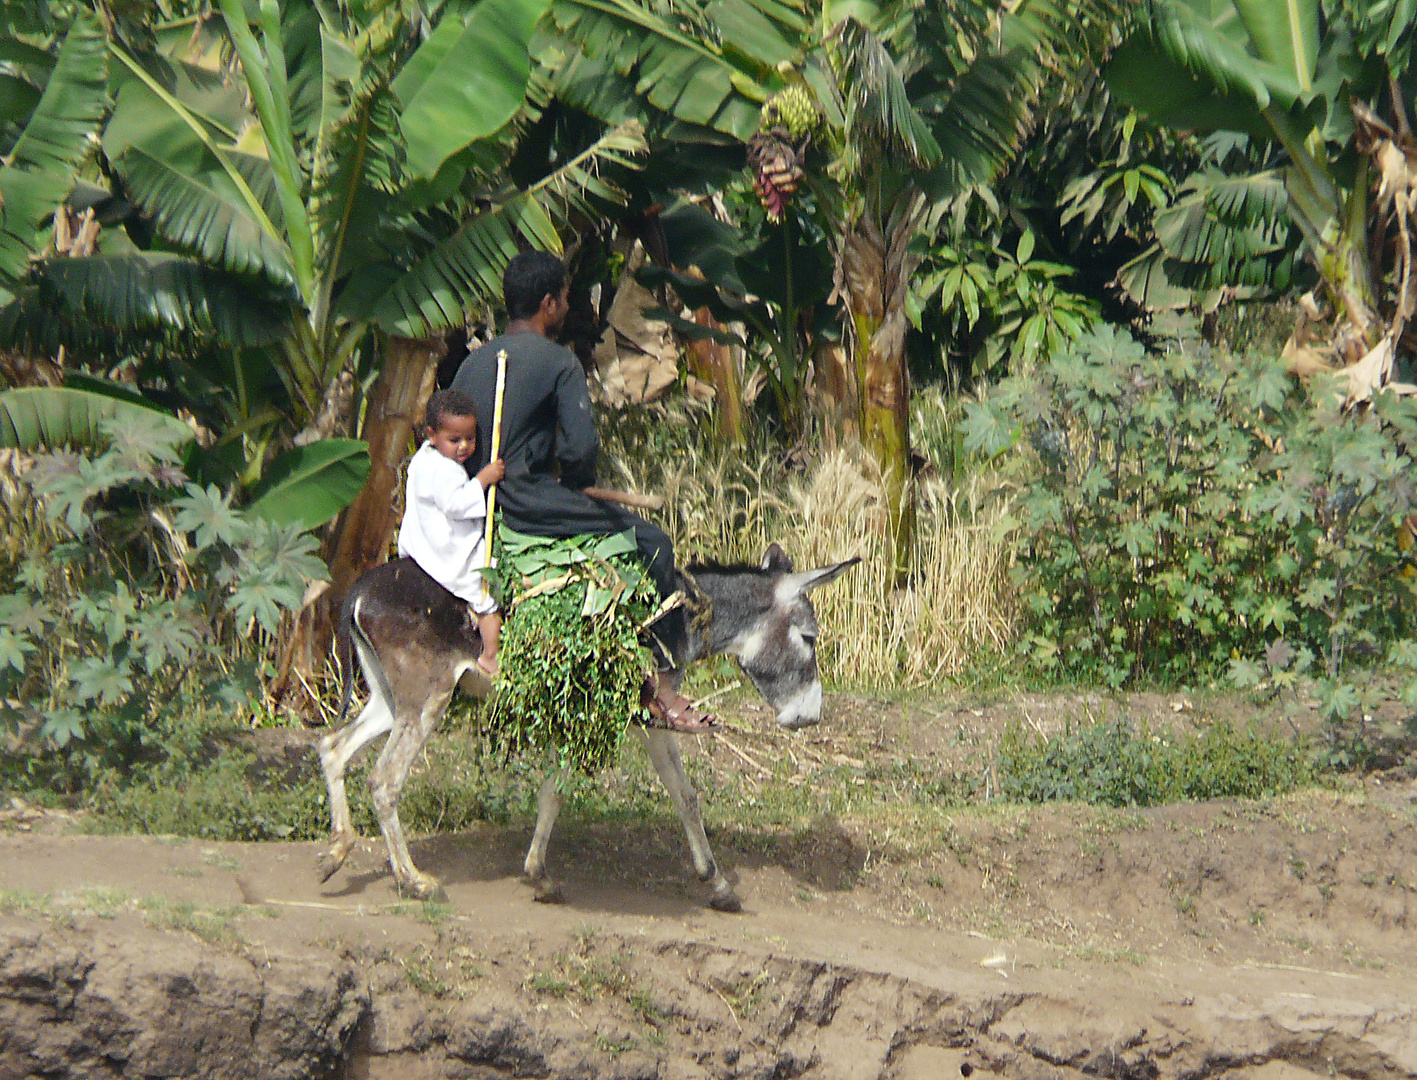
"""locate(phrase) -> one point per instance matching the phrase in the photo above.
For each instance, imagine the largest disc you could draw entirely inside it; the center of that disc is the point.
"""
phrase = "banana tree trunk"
(361, 537)
(870, 273)
(719, 366)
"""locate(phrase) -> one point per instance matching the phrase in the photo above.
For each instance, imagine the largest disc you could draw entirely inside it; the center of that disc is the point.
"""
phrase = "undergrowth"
(1118, 764)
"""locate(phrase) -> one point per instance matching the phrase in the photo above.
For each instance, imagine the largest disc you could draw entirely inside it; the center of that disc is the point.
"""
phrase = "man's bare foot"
(488, 666)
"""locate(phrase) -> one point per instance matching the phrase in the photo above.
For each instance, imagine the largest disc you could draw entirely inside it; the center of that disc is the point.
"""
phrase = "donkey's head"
(764, 618)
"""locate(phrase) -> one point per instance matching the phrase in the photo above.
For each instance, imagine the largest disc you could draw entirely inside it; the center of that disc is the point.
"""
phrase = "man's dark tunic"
(549, 445)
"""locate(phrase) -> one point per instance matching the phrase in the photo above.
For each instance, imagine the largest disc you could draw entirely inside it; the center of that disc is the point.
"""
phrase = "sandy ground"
(1270, 939)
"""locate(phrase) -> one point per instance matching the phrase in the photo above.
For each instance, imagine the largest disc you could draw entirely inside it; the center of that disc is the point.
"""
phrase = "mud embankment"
(102, 998)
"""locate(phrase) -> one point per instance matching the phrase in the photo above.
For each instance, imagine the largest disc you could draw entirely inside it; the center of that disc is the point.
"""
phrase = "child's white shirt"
(444, 526)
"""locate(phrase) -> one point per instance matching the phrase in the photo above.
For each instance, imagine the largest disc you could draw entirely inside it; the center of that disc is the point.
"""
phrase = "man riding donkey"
(548, 450)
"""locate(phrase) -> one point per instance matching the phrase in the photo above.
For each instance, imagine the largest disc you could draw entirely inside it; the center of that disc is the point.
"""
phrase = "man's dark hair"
(445, 403)
(529, 278)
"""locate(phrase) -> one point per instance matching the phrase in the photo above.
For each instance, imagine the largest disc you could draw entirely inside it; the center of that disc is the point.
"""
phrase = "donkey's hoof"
(422, 887)
(544, 890)
(726, 901)
(327, 863)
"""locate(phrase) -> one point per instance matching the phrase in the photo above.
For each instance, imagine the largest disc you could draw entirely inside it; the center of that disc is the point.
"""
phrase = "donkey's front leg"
(664, 752)
(548, 805)
(386, 784)
(336, 751)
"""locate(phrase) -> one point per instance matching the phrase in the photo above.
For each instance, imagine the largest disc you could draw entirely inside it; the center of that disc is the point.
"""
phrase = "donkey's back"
(408, 621)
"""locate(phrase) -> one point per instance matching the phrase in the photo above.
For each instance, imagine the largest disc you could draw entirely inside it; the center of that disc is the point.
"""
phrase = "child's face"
(455, 437)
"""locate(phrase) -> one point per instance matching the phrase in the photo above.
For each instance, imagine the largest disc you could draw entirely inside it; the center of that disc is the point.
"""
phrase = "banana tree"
(350, 171)
(1313, 81)
(932, 104)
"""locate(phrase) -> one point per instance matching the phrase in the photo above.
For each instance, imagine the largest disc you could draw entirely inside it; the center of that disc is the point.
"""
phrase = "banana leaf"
(309, 485)
(48, 417)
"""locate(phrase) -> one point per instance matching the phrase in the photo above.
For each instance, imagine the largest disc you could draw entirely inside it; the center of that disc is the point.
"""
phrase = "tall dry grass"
(823, 509)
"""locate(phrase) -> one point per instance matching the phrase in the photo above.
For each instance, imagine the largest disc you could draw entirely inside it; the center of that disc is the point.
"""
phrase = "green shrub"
(1183, 512)
(203, 778)
(122, 588)
(1117, 765)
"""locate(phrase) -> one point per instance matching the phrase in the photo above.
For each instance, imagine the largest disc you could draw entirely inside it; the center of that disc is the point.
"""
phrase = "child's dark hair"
(445, 403)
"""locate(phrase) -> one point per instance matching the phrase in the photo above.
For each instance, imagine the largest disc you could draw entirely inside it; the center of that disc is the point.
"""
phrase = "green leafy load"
(571, 662)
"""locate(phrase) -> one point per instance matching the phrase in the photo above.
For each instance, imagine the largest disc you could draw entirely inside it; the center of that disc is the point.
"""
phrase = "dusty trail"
(1269, 941)
(618, 982)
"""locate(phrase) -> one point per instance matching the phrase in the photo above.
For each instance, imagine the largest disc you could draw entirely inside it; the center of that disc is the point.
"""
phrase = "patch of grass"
(28, 904)
(214, 925)
(219, 861)
(425, 973)
(1117, 764)
(549, 983)
(182, 871)
(102, 903)
(427, 911)
(1110, 956)
(616, 1043)
(1257, 918)
(747, 995)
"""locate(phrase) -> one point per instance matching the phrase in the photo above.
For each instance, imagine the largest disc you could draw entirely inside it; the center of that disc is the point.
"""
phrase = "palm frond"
(691, 80)
(56, 139)
(202, 213)
(879, 108)
(152, 294)
(464, 272)
(356, 175)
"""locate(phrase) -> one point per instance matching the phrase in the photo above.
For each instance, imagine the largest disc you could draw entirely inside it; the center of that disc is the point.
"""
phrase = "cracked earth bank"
(227, 961)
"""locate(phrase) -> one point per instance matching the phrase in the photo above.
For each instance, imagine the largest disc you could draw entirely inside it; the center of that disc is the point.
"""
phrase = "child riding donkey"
(444, 527)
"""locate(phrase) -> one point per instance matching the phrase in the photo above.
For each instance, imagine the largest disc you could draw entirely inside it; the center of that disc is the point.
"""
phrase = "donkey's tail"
(344, 652)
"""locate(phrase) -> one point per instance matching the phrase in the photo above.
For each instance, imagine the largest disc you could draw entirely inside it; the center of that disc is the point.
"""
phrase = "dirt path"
(1266, 940)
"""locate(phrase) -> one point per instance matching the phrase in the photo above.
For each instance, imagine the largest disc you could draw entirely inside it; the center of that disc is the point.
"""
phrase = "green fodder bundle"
(571, 662)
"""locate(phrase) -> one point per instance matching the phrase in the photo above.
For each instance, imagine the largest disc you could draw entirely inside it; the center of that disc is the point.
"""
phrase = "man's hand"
(491, 473)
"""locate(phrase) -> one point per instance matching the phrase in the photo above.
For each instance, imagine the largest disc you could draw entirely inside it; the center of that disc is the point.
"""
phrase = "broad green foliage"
(127, 583)
(1292, 76)
(49, 417)
(1015, 303)
(308, 485)
(1119, 765)
(571, 663)
(39, 167)
(1177, 510)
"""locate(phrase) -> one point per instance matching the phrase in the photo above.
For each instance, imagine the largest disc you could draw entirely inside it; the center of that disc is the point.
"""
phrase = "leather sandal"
(676, 714)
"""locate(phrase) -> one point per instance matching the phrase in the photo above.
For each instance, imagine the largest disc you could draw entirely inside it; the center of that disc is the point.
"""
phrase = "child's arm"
(491, 474)
(457, 497)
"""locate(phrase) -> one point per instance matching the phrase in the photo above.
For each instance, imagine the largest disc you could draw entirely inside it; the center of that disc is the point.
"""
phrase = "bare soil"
(882, 938)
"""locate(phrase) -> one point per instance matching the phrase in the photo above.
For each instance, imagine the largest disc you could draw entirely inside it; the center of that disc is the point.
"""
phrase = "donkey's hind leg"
(337, 749)
(664, 753)
(391, 771)
(548, 805)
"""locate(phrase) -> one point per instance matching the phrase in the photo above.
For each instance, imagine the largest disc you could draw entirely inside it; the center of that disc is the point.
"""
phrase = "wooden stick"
(627, 498)
(496, 450)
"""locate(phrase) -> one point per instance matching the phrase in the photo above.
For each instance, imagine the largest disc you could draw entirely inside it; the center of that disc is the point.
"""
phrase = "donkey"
(414, 644)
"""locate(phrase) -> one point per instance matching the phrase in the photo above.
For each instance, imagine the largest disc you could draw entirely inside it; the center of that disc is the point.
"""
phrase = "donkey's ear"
(810, 579)
(775, 560)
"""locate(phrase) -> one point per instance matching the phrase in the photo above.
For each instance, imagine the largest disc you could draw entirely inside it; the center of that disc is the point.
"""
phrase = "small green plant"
(129, 588)
(1116, 764)
(425, 973)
